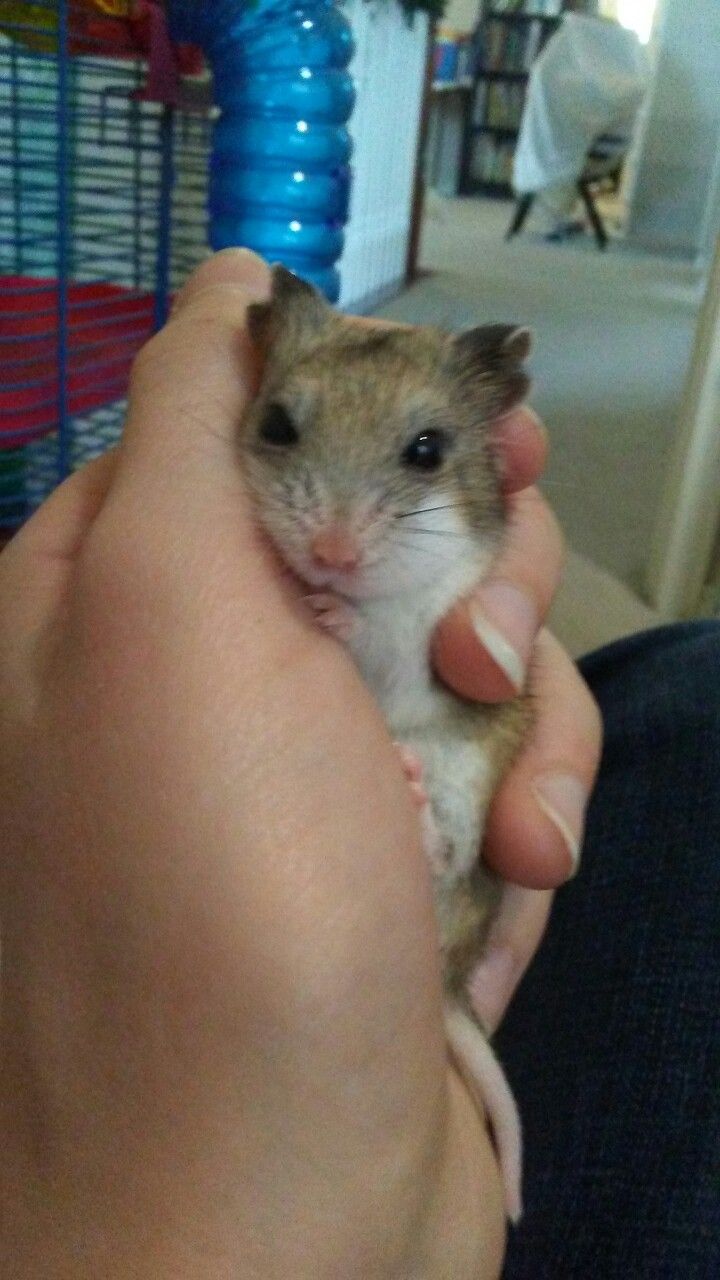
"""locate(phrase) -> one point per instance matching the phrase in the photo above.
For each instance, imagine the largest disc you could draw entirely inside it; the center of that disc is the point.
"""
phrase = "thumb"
(189, 389)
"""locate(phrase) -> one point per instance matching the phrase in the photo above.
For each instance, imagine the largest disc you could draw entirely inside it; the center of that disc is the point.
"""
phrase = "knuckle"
(554, 527)
(534, 552)
(587, 716)
(586, 746)
(568, 705)
(215, 313)
(532, 521)
(544, 519)
(145, 363)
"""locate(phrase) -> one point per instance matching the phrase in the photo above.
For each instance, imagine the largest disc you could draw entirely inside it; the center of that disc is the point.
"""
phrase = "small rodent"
(367, 453)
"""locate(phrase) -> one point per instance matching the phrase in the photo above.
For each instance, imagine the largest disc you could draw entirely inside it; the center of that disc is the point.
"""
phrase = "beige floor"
(593, 608)
(613, 334)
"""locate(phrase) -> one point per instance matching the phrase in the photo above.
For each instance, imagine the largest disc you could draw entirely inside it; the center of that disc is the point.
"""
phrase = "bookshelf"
(509, 38)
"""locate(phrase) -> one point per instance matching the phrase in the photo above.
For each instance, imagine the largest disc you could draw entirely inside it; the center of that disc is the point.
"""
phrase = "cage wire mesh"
(102, 216)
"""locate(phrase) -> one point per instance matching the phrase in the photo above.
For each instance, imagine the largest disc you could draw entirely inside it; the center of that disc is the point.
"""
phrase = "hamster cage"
(105, 175)
(94, 234)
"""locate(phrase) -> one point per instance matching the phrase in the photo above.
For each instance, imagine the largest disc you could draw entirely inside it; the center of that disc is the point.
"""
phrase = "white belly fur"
(390, 645)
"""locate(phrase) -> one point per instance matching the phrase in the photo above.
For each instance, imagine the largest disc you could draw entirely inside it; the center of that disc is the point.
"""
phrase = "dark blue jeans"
(613, 1041)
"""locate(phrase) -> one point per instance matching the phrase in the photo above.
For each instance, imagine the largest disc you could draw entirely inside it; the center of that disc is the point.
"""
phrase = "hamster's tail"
(485, 1076)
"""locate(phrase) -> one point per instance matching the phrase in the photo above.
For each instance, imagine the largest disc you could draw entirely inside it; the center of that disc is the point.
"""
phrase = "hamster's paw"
(412, 767)
(434, 846)
(333, 614)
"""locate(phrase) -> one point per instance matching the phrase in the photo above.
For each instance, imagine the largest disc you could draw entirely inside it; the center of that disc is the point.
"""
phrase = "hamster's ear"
(294, 314)
(488, 362)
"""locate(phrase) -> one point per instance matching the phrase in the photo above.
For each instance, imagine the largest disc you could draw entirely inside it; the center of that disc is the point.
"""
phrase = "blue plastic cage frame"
(97, 188)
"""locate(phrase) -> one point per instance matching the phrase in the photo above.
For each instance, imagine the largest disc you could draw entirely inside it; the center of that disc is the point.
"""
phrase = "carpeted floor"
(613, 336)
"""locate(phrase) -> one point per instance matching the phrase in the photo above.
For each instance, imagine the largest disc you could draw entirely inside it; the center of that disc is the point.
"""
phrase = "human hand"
(485, 650)
(222, 1042)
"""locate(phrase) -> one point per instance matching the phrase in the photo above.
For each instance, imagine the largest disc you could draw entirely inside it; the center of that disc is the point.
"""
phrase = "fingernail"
(563, 799)
(505, 621)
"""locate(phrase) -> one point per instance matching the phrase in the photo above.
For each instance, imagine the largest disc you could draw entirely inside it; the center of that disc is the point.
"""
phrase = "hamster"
(367, 454)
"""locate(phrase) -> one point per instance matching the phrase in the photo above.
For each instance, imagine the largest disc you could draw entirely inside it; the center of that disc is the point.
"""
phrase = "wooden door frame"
(686, 528)
(418, 199)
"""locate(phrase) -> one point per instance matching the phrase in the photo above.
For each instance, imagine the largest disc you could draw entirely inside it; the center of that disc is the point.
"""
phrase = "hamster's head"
(367, 448)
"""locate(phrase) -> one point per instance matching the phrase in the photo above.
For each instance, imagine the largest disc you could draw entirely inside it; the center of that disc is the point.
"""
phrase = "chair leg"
(592, 213)
(522, 209)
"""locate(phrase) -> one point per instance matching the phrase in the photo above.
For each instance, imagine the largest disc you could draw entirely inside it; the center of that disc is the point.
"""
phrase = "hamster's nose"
(334, 547)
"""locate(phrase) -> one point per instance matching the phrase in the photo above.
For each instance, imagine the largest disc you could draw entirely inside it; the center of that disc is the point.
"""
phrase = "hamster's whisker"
(436, 533)
(426, 511)
(443, 552)
(408, 550)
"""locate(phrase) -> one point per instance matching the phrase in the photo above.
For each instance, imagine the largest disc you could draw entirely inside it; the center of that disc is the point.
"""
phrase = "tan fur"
(364, 390)
(472, 901)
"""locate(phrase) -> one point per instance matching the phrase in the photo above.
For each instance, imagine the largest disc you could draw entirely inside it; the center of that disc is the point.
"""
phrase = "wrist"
(463, 1231)
(419, 1206)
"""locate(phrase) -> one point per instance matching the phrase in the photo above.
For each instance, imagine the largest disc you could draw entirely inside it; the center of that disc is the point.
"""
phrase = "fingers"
(191, 383)
(36, 565)
(228, 267)
(56, 529)
(189, 389)
(482, 648)
(176, 547)
(521, 443)
(514, 937)
(535, 826)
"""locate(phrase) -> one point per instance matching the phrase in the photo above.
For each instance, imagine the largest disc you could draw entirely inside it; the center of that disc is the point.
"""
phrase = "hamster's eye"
(277, 427)
(426, 451)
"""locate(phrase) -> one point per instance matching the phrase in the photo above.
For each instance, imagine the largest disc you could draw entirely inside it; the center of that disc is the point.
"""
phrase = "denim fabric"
(613, 1042)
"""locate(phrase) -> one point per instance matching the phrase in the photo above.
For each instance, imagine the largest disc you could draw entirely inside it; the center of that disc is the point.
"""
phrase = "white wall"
(461, 15)
(677, 162)
(389, 69)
